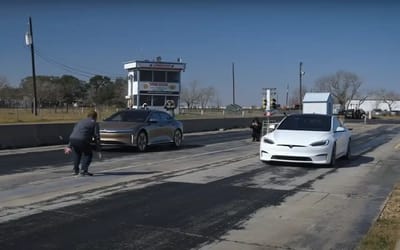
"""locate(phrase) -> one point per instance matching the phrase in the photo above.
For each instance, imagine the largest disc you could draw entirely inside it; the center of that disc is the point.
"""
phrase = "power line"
(70, 69)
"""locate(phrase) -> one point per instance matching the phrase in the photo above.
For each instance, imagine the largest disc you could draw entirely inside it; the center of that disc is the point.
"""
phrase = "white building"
(370, 104)
(153, 83)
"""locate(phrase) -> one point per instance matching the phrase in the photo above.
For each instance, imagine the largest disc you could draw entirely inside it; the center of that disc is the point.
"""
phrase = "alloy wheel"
(141, 142)
(177, 138)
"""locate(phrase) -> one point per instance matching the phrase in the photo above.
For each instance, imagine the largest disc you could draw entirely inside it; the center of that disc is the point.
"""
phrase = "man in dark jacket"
(84, 132)
(256, 129)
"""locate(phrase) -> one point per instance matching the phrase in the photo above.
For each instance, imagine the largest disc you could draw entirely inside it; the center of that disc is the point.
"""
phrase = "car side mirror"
(340, 129)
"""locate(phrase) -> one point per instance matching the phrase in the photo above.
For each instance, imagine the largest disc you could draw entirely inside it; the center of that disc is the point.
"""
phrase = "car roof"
(311, 115)
(138, 110)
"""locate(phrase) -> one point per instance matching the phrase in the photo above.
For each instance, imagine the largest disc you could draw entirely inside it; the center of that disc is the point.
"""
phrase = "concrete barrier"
(34, 135)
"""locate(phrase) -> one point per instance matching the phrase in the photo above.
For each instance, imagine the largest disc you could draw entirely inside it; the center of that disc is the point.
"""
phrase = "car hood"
(297, 137)
(119, 126)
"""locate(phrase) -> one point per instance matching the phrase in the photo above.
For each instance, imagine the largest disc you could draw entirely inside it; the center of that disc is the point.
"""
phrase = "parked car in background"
(307, 138)
(141, 128)
(354, 113)
(377, 112)
(395, 112)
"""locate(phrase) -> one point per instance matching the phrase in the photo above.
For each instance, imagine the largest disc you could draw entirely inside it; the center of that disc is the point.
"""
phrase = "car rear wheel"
(177, 138)
(141, 141)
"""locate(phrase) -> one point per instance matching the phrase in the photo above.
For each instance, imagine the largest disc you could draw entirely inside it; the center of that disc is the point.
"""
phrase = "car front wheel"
(348, 152)
(177, 138)
(333, 157)
(141, 141)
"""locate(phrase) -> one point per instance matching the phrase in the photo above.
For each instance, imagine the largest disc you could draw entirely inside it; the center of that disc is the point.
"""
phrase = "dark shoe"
(85, 173)
(76, 173)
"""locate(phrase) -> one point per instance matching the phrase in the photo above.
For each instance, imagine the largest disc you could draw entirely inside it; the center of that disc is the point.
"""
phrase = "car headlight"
(269, 141)
(320, 143)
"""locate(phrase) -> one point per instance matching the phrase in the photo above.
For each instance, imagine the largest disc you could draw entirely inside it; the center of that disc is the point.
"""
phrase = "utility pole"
(29, 42)
(233, 81)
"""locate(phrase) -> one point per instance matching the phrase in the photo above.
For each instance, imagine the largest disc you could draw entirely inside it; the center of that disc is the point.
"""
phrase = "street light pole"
(30, 43)
(301, 73)
(287, 95)
(233, 81)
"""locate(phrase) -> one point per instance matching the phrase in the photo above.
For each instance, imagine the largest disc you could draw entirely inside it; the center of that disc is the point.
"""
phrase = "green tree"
(120, 91)
(70, 88)
(100, 90)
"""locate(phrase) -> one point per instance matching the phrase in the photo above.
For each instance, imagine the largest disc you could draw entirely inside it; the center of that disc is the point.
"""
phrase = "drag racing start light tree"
(264, 103)
(274, 105)
(269, 102)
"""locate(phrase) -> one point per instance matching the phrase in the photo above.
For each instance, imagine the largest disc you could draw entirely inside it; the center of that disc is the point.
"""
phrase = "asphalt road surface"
(213, 193)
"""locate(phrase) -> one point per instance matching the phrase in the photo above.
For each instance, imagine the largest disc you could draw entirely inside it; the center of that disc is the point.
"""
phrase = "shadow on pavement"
(126, 173)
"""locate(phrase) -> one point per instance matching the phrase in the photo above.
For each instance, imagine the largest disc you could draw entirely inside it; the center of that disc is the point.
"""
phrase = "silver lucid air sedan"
(141, 128)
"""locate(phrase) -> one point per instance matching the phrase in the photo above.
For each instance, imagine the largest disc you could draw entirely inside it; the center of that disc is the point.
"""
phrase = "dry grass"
(8, 116)
(385, 232)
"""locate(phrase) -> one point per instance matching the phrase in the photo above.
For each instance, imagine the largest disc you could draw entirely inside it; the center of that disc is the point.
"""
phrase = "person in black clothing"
(84, 132)
(256, 129)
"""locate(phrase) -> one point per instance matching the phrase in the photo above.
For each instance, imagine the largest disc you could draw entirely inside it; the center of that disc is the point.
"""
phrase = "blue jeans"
(82, 154)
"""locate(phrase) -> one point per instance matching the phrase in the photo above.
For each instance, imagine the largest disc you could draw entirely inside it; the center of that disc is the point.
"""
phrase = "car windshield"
(128, 116)
(306, 122)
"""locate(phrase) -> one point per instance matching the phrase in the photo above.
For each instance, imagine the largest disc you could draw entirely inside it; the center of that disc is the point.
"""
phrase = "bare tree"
(294, 97)
(206, 94)
(360, 98)
(388, 97)
(343, 86)
(191, 94)
(3, 87)
(217, 100)
(3, 82)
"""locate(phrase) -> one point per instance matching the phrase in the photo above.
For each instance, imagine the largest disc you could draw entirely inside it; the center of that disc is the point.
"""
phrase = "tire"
(141, 141)
(347, 156)
(333, 157)
(177, 138)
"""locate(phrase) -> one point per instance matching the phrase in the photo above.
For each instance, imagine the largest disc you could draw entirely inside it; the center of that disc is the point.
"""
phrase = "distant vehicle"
(233, 108)
(307, 138)
(141, 128)
(354, 113)
(395, 112)
(377, 112)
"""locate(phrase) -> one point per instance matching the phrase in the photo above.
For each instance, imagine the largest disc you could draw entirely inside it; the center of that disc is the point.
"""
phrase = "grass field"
(48, 115)
(19, 115)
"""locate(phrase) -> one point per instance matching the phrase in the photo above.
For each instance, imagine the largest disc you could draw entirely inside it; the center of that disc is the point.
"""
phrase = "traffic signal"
(264, 103)
(273, 103)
